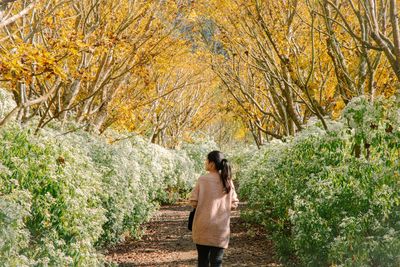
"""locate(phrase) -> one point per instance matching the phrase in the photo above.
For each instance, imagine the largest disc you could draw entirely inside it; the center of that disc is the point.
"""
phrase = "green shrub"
(65, 216)
(14, 237)
(63, 196)
(325, 204)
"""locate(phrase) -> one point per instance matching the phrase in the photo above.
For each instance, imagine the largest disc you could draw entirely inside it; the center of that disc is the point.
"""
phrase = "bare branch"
(22, 13)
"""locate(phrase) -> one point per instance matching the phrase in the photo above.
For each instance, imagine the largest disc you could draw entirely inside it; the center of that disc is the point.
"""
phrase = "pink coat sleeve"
(194, 195)
(235, 200)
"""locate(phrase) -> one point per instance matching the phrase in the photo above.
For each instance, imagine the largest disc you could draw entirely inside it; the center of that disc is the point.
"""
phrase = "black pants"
(209, 256)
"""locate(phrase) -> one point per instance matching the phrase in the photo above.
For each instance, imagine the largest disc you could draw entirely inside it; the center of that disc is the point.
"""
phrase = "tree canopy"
(251, 70)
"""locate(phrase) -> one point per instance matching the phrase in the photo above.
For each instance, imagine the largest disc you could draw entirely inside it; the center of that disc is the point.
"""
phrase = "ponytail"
(226, 175)
(224, 167)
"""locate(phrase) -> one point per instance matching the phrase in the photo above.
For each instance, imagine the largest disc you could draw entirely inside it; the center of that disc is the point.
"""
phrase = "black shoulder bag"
(190, 221)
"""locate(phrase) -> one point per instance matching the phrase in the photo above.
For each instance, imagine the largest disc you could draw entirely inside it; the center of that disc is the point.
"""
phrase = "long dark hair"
(222, 164)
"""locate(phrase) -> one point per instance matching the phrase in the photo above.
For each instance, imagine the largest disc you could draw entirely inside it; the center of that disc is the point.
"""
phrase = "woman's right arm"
(235, 200)
(194, 196)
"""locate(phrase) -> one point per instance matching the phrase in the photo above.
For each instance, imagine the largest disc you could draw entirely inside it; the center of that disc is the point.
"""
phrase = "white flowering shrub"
(63, 214)
(6, 103)
(241, 157)
(323, 204)
(171, 173)
(198, 151)
(63, 196)
(14, 237)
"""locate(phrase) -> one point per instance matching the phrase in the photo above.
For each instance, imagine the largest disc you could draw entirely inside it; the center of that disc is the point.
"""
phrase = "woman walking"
(213, 197)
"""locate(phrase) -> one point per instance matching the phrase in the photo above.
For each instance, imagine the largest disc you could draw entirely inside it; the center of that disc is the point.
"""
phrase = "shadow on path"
(167, 242)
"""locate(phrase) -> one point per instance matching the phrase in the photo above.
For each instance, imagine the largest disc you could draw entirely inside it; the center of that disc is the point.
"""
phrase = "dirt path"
(167, 242)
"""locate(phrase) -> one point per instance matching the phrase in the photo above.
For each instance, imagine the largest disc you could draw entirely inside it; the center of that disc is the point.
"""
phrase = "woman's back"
(213, 208)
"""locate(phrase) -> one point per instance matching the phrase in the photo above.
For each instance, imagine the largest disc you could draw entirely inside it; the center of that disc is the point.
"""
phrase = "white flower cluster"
(84, 192)
(6, 103)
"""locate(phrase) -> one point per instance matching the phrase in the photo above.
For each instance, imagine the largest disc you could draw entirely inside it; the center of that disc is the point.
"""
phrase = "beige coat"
(213, 209)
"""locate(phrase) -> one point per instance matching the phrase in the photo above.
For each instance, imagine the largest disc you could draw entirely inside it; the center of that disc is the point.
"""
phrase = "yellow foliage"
(171, 68)
(338, 107)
